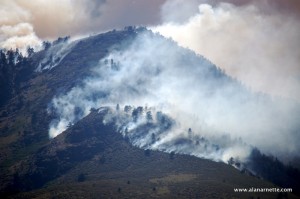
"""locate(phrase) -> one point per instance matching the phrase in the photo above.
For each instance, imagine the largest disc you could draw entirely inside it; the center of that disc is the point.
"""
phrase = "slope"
(24, 120)
(92, 160)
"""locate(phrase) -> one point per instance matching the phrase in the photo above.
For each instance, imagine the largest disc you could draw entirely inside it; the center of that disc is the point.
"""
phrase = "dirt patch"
(174, 178)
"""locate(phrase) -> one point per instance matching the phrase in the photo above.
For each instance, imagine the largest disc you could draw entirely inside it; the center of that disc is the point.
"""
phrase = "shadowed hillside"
(92, 160)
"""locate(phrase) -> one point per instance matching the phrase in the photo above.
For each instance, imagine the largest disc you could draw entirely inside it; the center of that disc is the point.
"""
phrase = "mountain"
(94, 155)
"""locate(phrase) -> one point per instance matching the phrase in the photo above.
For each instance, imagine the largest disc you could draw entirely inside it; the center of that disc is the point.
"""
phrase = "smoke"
(55, 53)
(255, 43)
(190, 90)
(24, 23)
(18, 36)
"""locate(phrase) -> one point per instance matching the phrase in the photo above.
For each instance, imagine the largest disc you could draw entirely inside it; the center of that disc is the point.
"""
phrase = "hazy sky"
(50, 19)
(255, 41)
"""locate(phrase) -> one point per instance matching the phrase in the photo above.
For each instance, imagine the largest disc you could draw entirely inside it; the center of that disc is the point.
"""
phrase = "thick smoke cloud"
(252, 42)
(191, 91)
(47, 20)
(18, 36)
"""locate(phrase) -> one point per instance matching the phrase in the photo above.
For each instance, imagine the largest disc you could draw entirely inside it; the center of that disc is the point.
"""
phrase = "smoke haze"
(261, 50)
(256, 42)
(47, 20)
(190, 90)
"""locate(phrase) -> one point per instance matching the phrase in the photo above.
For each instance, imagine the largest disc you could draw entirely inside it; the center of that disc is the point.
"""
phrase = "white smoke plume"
(253, 42)
(19, 36)
(55, 53)
(155, 72)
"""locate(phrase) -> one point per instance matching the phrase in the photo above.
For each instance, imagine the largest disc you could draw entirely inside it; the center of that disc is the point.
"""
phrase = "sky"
(50, 19)
(256, 42)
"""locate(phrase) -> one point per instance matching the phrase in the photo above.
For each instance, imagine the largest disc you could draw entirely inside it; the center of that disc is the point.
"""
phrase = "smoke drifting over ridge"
(256, 41)
(253, 43)
(190, 90)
